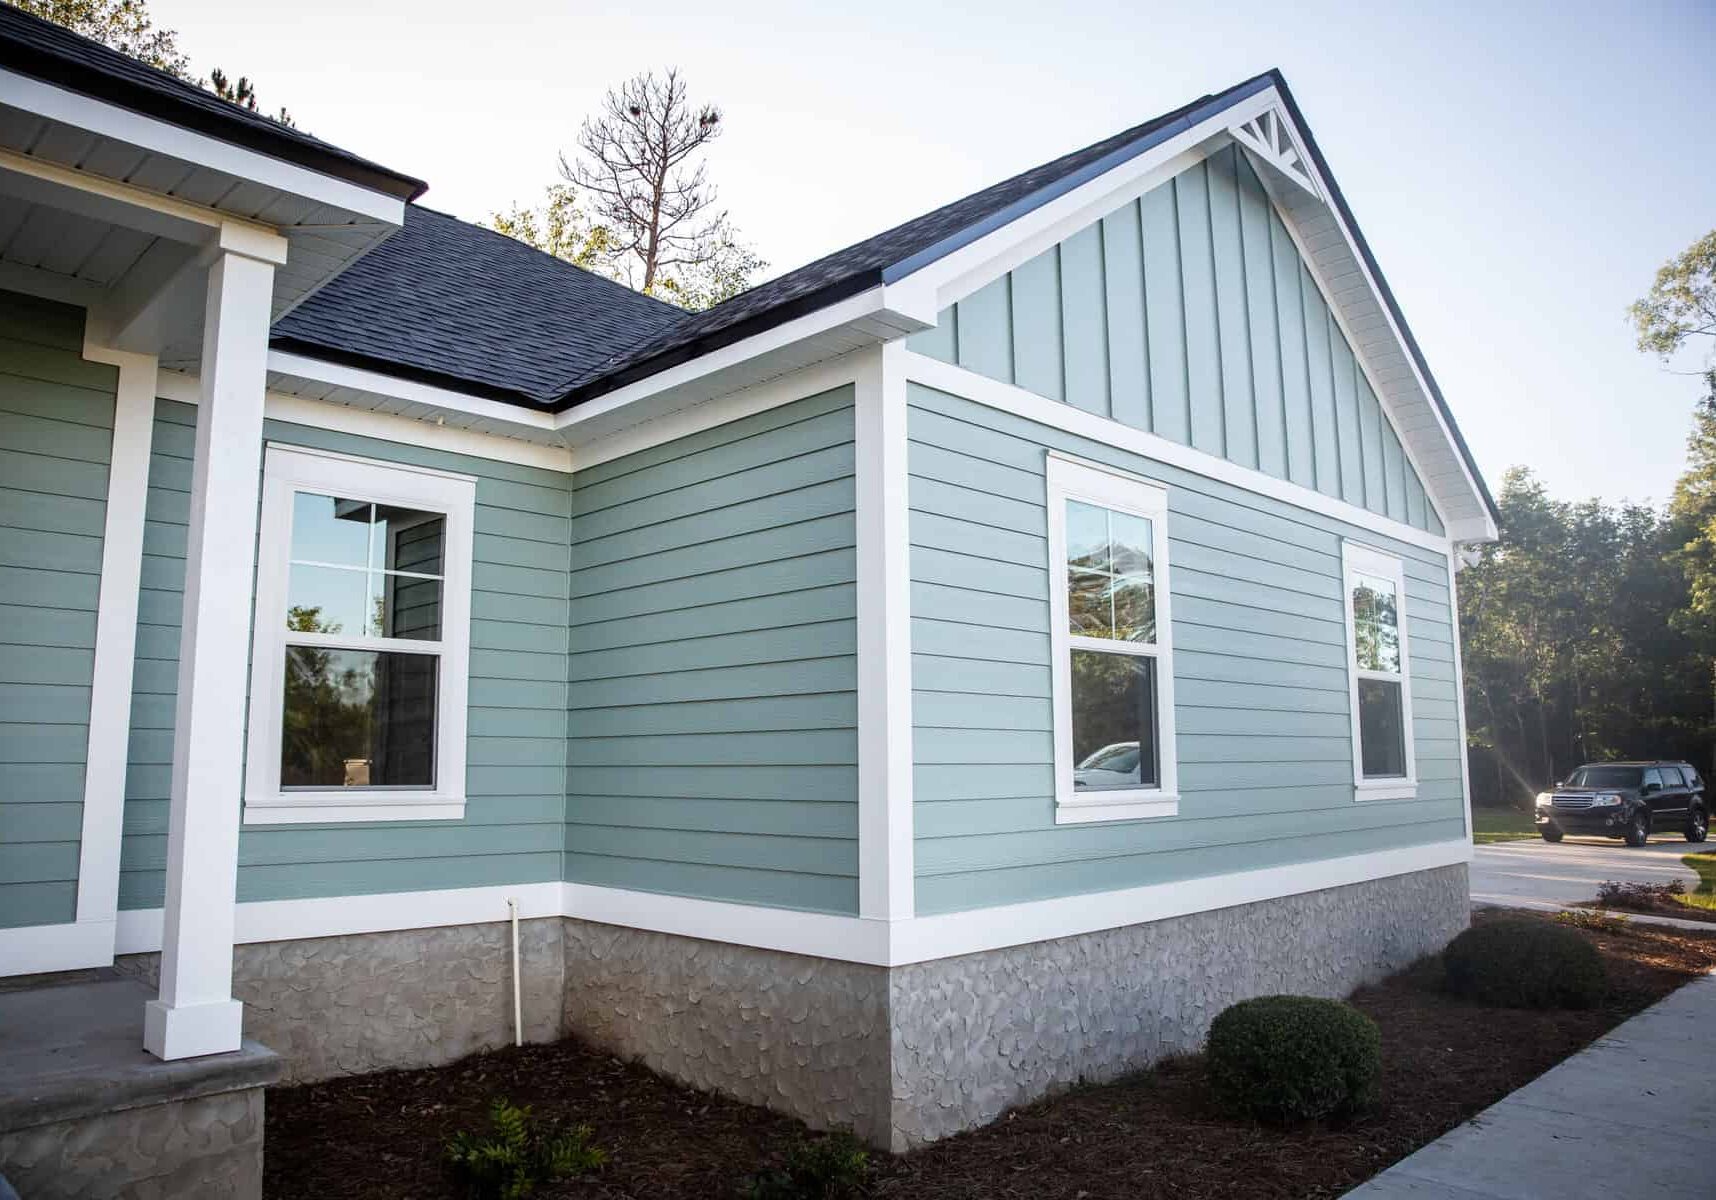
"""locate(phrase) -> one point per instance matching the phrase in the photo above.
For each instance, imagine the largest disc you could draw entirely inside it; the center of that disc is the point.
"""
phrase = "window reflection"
(358, 718)
(1113, 720)
(363, 569)
(1110, 574)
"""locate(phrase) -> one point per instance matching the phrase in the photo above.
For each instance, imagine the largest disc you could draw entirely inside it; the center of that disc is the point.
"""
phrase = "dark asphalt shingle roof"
(55, 55)
(464, 307)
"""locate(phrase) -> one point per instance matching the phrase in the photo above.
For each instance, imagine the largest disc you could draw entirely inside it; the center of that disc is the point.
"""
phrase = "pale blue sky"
(1520, 169)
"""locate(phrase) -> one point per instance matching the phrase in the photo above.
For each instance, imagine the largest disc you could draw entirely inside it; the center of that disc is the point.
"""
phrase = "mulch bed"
(1157, 1133)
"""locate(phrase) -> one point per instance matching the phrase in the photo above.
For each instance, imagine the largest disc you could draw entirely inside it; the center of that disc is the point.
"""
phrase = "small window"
(362, 611)
(1653, 777)
(1377, 666)
(1113, 679)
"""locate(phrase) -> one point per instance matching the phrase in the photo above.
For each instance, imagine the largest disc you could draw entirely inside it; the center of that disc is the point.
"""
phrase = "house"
(954, 669)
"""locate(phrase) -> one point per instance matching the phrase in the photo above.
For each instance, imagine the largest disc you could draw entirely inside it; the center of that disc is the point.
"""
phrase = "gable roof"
(55, 55)
(456, 305)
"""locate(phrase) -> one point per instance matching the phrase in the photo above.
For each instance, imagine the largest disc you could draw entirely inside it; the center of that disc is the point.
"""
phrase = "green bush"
(1524, 964)
(827, 1168)
(514, 1157)
(1294, 1058)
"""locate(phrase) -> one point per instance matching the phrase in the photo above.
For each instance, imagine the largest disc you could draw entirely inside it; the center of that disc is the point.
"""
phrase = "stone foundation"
(900, 1056)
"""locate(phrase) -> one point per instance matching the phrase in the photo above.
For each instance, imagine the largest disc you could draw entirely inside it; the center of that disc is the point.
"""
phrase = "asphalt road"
(1535, 874)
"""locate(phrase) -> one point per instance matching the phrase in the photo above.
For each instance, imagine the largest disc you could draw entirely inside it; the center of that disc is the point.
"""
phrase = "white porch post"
(195, 1012)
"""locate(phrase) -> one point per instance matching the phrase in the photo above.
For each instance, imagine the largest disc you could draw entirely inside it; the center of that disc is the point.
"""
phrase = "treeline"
(1586, 632)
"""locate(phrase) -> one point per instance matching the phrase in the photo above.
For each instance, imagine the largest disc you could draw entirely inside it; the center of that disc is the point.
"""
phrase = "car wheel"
(1638, 829)
(1697, 824)
(1552, 833)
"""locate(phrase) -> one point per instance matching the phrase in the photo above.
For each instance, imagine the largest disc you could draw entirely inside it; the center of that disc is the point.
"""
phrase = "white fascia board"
(1478, 529)
(534, 445)
(989, 257)
(819, 935)
(880, 313)
(957, 381)
(162, 137)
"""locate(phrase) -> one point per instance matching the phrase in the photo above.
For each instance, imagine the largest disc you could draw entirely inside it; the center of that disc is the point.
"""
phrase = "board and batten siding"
(1264, 734)
(56, 438)
(1189, 313)
(713, 742)
(515, 774)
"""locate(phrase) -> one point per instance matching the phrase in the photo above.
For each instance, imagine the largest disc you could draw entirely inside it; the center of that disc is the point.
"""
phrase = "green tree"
(636, 203)
(126, 26)
(1681, 303)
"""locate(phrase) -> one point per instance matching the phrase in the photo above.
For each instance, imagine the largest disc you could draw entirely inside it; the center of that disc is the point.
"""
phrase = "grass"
(1704, 895)
(1500, 824)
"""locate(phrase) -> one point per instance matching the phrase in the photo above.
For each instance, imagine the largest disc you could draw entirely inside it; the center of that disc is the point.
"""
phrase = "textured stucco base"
(919, 1052)
(374, 1001)
(900, 1056)
(207, 1148)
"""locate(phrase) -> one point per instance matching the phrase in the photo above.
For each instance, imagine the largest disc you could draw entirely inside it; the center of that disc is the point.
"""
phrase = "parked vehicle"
(1628, 800)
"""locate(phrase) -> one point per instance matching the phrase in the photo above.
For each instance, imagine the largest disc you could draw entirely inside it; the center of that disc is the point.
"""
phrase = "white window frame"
(1356, 560)
(1076, 479)
(291, 469)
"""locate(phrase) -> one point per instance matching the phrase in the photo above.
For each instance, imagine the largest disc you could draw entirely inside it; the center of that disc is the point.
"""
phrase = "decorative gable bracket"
(1270, 138)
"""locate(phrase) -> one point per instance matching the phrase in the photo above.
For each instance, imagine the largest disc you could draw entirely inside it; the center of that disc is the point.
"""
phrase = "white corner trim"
(1357, 559)
(957, 381)
(818, 935)
(1460, 688)
(73, 946)
(1068, 479)
(162, 137)
(115, 638)
(286, 471)
(886, 884)
(1017, 924)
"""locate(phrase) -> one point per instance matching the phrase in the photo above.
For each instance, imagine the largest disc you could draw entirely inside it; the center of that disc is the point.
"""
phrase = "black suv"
(1628, 800)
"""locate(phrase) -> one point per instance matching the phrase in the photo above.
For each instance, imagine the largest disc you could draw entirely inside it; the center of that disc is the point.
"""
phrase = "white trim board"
(821, 935)
(1006, 397)
(384, 426)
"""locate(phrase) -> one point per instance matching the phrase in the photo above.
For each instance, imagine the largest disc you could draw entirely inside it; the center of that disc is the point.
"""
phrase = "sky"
(1520, 169)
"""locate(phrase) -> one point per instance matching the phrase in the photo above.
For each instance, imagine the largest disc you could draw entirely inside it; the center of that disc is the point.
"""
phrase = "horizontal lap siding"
(56, 435)
(1264, 733)
(512, 828)
(713, 742)
(1188, 313)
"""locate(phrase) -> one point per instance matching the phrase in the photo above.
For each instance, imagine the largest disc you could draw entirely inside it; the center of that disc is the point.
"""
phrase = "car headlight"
(1545, 799)
(1607, 800)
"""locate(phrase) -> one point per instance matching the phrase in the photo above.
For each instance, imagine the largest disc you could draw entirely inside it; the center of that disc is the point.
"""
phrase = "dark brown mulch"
(1154, 1134)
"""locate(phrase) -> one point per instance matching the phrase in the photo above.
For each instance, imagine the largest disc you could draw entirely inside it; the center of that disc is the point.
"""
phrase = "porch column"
(195, 1012)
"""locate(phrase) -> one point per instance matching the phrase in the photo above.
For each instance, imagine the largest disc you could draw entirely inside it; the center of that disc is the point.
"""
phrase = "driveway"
(1535, 874)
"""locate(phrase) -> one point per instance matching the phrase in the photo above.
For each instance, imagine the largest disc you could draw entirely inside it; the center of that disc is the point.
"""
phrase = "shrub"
(1584, 918)
(1294, 1058)
(1638, 895)
(826, 1168)
(1524, 964)
(514, 1157)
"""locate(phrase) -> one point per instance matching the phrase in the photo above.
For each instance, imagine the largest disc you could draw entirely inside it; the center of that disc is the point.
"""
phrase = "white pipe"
(517, 993)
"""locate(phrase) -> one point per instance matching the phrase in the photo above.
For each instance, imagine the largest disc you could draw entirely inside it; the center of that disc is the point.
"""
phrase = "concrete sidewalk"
(1631, 1115)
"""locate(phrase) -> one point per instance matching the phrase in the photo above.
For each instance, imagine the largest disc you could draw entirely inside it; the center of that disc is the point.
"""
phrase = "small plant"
(514, 1157)
(1519, 963)
(1614, 894)
(1596, 922)
(826, 1168)
(1294, 1058)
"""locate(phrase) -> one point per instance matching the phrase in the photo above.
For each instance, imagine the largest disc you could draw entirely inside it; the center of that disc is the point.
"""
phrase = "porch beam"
(195, 1013)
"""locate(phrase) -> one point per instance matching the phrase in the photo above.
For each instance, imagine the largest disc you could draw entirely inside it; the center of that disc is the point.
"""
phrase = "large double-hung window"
(1377, 669)
(358, 677)
(1112, 645)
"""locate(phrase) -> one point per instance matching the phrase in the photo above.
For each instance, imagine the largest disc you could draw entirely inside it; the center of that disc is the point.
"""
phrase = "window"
(1112, 646)
(1377, 667)
(357, 703)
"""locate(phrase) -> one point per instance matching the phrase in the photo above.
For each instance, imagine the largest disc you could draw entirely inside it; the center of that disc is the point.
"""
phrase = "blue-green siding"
(515, 774)
(713, 744)
(1264, 735)
(56, 436)
(1190, 314)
